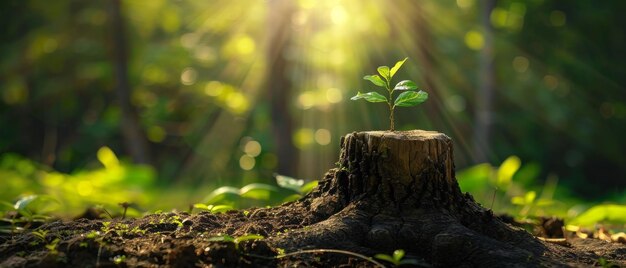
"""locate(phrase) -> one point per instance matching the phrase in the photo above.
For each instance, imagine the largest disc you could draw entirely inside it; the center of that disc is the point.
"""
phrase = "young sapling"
(410, 97)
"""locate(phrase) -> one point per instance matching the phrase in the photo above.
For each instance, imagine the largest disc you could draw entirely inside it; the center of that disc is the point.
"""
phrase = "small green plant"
(408, 98)
(602, 262)
(396, 258)
(529, 201)
(119, 259)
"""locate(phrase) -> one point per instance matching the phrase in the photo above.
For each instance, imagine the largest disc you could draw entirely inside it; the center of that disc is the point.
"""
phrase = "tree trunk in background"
(134, 137)
(279, 85)
(484, 98)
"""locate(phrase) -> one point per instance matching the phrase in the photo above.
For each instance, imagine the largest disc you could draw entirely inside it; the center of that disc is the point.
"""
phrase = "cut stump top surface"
(407, 135)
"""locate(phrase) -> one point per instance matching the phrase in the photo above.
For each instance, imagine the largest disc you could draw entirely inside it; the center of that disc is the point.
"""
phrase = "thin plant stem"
(308, 251)
(391, 107)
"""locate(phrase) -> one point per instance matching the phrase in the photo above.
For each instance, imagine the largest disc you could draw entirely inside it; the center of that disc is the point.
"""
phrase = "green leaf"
(529, 198)
(375, 79)
(370, 96)
(396, 67)
(386, 257)
(475, 178)
(398, 254)
(258, 191)
(384, 72)
(107, 157)
(308, 187)
(518, 200)
(24, 202)
(291, 198)
(410, 98)
(248, 237)
(289, 182)
(507, 170)
(544, 202)
(224, 193)
(201, 206)
(221, 238)
(406, 85)
(599, 213)
(6, 206)
(220, 208)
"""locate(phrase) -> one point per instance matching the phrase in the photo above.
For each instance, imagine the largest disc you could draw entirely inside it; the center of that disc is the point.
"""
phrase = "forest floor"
(390, 192)
(180, 239)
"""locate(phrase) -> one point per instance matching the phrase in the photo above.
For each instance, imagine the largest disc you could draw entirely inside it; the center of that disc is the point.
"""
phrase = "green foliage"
(530, 201)
(515, 189)
(370, 96)
(410, 98)
(602, 262)
(296, 185)
(119, 259)
(507, 169)
(607, 213)
(213, 208)
(397, 258)
(69, 194)
(405, 99)
(509, 182)
(228, 197)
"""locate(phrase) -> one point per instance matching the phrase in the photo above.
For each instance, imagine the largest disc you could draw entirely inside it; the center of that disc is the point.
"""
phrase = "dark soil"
(373, 203)
(183, 240)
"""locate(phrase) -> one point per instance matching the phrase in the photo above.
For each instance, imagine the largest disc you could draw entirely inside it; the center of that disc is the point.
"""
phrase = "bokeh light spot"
(333, 95)
(306, 100)
(520, 64)
(156, 134)
(474, 40)
(252, 148)
(213, 88)
(551, 81)
(464, 3)
(499, 17)
(303, 137)
(322, 136)
(237, 102)
(246, 162)
(188, 76)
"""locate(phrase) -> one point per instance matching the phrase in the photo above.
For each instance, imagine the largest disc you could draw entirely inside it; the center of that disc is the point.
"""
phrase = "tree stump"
(397, 190)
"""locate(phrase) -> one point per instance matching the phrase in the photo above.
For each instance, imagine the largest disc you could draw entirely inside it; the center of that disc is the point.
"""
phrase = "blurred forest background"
(129, 100)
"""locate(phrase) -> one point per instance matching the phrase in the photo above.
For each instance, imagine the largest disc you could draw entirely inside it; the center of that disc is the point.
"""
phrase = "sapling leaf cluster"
(409, 96)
